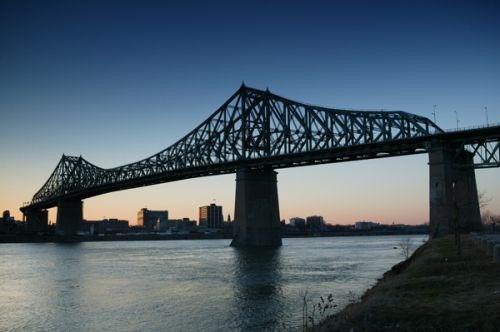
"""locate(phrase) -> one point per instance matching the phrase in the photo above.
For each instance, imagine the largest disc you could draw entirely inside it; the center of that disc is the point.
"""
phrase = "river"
(184, 285)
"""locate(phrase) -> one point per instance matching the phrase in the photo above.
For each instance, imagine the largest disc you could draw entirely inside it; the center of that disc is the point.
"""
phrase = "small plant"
(304, 310)
(352, 297)
(405, 245)
(320, 311)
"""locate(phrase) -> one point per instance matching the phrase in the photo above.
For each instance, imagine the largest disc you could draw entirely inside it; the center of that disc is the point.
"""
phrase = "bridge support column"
(69, 217)
(36, 220)
(453, 194)
(256, 211)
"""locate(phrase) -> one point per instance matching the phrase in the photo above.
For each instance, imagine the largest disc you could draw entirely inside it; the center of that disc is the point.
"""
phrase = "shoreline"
(50, 238)
(432, 290)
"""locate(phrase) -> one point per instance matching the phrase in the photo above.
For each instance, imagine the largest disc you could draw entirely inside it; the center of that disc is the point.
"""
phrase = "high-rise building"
(211, 216)
(315, 223)
(150, 219)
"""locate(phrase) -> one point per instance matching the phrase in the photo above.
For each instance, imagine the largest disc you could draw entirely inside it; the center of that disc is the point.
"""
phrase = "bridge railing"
(452, 130)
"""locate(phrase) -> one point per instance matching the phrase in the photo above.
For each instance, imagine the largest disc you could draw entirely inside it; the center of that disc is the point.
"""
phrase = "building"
(151, 220)
(105, 226)
(227, 225)
(365, 225)
(176, 225)
(315, 223)
(298, 223)
(211, 216)
(6, 216)
(8, 225)
(183, 225)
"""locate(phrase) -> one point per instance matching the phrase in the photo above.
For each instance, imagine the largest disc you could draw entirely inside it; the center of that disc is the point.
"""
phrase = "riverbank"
(433, 290)
(34, 238)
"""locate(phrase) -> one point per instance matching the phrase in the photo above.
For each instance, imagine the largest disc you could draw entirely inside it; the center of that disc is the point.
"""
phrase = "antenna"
(487, 120)
(434, 112)
(456, 117)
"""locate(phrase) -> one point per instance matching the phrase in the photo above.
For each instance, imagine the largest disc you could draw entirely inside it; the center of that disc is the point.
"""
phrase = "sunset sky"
(117, 81)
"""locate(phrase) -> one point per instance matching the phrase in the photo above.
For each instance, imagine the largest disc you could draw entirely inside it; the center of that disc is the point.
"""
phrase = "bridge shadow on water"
(259, 302)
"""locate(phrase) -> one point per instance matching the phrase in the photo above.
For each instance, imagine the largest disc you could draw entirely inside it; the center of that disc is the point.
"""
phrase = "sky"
(117, 81)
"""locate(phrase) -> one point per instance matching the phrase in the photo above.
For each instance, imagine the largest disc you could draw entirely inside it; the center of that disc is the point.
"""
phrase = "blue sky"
(116, 81)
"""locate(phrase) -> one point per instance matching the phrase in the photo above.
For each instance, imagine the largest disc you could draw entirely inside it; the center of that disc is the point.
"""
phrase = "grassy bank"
(433, 290)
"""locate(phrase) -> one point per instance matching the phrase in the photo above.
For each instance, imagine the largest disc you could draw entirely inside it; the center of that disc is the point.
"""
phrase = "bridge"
(255, 132)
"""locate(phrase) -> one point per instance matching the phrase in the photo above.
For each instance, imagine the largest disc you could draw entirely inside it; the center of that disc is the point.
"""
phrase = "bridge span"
(255, 132)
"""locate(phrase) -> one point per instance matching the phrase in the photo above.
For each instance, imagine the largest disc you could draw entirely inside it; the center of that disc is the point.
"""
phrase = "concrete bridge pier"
(256, 211)
(453, 192)
(36, 220)
(69, 216)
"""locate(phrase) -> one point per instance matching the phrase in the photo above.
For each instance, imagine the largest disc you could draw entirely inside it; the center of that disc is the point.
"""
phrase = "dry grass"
(432, 291)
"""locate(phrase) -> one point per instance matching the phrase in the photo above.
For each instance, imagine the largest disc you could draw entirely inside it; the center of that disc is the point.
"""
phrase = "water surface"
(183, 285)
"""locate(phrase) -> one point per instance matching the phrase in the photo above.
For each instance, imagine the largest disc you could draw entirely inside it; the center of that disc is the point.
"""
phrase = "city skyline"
(95, 85)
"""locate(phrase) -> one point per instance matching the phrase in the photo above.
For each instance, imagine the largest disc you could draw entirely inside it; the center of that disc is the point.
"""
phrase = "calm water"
(182, 285)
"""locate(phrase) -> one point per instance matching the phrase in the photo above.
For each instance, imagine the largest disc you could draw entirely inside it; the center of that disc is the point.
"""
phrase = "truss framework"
(486, 153)
(254, 126)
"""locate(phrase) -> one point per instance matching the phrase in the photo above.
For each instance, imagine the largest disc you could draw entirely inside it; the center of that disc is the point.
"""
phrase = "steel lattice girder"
(486, 153)
(252, 127)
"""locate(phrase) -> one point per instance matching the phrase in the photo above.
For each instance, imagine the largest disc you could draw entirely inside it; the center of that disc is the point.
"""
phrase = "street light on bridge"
(434, 112)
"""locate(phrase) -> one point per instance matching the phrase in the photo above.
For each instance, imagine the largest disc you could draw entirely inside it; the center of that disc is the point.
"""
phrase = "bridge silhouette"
(255, 132)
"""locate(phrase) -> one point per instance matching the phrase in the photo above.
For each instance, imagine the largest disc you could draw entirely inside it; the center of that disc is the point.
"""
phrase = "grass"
(434, 290)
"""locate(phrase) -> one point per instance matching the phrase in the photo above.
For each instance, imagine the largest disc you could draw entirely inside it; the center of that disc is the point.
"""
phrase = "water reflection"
(257, 289)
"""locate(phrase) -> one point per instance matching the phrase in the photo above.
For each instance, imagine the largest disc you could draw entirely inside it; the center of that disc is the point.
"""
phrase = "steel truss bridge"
(258, 129)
